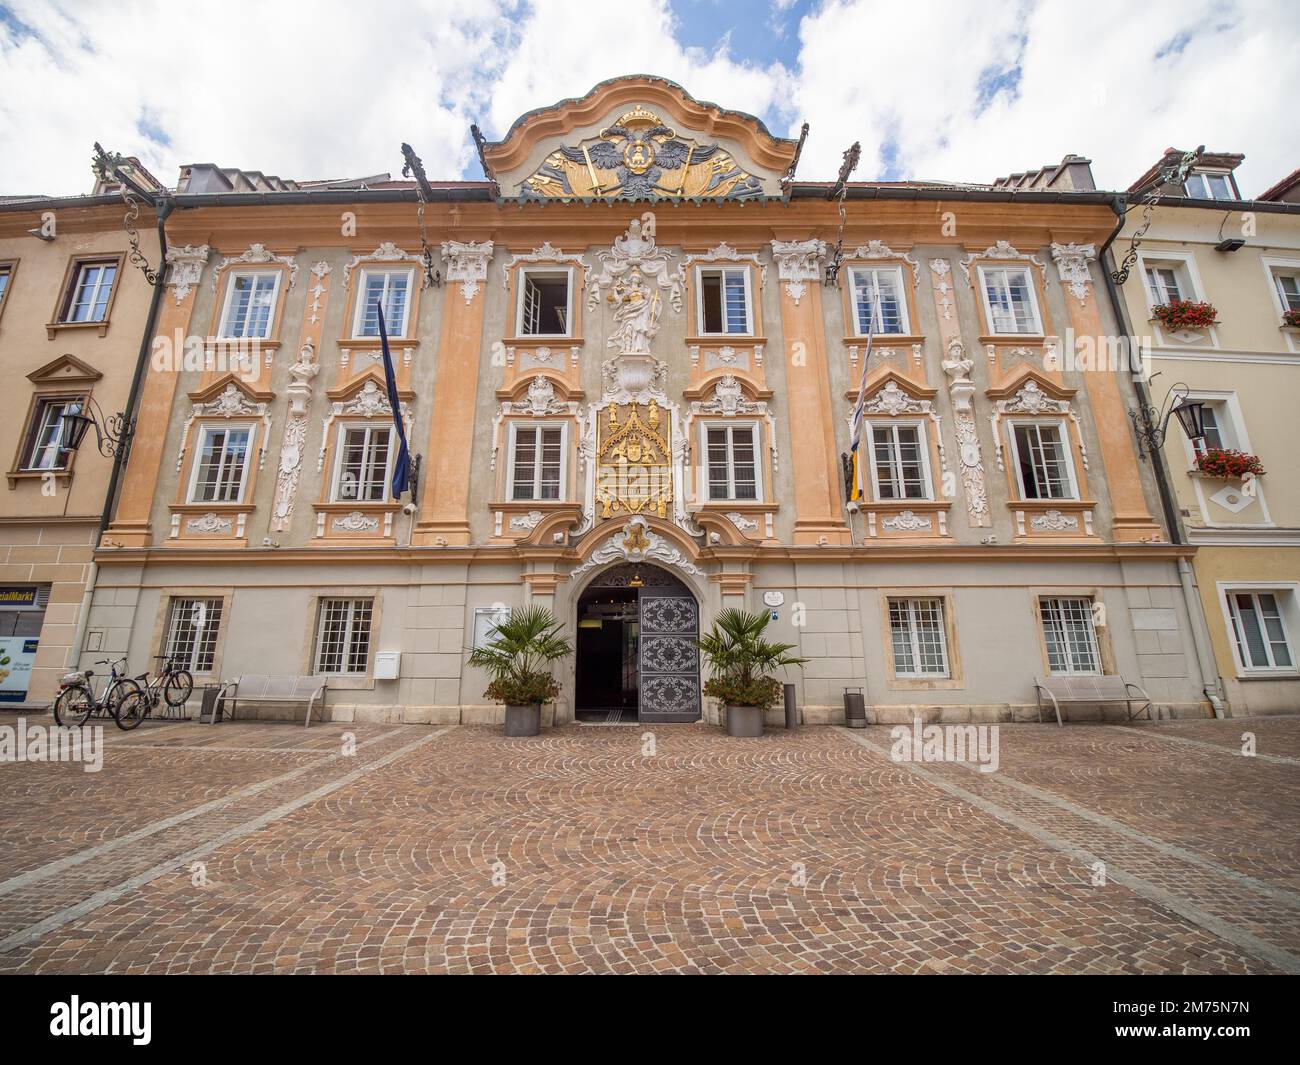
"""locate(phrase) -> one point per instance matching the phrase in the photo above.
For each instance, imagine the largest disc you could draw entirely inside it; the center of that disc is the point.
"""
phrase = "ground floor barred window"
(1069, 634)
(343, 635)
(192, 628)
(916, 628)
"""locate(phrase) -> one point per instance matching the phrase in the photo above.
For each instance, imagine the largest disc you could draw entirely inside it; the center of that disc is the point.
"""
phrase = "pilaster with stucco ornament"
(957, 368)
(819, 514)
(302, 373)
(444, 504)
(130, 527)
(1133, 522)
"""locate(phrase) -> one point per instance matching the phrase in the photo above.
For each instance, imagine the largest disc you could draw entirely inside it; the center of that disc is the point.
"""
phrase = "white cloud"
(1089, 83)
(331, 89)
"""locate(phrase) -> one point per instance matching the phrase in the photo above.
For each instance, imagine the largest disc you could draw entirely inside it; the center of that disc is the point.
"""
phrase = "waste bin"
(855, 708)
(213, 708)
(791, 708)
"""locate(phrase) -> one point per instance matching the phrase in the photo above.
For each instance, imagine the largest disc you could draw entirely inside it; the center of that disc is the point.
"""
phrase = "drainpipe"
(163, 206)
(1211, 682)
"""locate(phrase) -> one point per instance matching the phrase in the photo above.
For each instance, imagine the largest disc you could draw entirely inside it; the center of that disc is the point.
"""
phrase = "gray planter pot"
(744, 721)
(524, 720)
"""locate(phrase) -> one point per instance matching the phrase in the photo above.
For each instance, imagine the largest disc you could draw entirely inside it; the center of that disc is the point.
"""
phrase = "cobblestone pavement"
(264, 848)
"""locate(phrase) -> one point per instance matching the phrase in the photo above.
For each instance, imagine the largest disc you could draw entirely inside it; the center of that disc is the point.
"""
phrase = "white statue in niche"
(636, 310)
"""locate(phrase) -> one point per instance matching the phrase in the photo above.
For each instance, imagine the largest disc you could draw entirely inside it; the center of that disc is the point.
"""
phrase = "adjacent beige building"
(1208, 242)
(73, 313)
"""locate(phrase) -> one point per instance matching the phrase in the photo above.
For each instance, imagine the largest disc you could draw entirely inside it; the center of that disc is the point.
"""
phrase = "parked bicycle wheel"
(73, 706)
(119, 691)
(131, 710)
(178, 687)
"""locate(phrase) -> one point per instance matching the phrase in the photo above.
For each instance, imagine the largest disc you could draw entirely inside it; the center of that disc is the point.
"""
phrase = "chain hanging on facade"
(111, 168)
(1175, 172)
(414, 167)
(839, 193)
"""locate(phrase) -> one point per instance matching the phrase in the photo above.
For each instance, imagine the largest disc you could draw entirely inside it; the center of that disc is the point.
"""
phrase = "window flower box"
(1227, 463)
(1177, 315)
(1291, 319)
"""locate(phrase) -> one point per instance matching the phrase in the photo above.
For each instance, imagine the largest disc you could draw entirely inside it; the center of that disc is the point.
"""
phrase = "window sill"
(544, 340)
(1018, 338)
(914, 684)
(52, 328)
(860, 339)
(338, 682)
(1281, 674)
(723, 339)
(235, 515)
(61, 476)
(355, 343)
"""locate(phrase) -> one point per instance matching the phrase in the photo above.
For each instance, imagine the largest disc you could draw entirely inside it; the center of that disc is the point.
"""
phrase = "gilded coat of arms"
(634, 463)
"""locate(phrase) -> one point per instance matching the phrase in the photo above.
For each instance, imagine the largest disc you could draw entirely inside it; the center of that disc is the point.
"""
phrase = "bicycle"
(76, 702)
(173, 685)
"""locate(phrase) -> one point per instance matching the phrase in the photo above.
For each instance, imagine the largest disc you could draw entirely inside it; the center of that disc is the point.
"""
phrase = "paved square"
(263, 848)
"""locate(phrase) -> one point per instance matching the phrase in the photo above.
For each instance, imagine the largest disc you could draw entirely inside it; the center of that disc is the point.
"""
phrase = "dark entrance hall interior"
(607, 656)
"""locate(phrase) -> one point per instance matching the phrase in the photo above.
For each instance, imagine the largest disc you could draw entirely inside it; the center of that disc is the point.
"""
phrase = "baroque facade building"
(631, 381)
(1207, 244)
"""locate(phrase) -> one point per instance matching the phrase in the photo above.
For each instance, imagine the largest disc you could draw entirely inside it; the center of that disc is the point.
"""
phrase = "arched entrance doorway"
(637, 657)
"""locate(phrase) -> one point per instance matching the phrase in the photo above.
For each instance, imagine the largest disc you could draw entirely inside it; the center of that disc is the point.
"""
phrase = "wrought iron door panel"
(669, 658)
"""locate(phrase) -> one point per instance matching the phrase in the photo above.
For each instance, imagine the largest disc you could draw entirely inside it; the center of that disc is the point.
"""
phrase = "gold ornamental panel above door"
(634, 461)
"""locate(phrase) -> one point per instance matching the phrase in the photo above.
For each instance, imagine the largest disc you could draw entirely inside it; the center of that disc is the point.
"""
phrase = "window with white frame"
(343, 635)
(731, 456)
(250, 304)
(879, 305)
(724, 300)
(1215, 421)
(1287, 283)
(1009, 299)
(1259, 629)
(1042, 460)
(192, 628)
(1069, 634)
(1209, 185)
(221, 468)
(1166, 282)
(44, 448)
(920, 640)
(545, 303)
(899, 467)
(536, 460)
(389, 289)
(362, 466)
(88, 296)
(6, 272)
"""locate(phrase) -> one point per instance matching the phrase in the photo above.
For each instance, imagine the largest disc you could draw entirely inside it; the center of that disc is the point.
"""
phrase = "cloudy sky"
(951, 90)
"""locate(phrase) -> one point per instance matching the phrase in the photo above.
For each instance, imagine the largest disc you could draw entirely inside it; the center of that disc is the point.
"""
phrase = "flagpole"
(857, 488)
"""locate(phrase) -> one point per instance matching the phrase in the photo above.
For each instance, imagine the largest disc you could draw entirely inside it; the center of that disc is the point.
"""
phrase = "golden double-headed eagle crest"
(639, 157)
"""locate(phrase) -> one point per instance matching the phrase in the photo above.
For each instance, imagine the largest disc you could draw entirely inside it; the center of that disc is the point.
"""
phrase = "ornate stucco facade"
(631, 371)
(1243, 258)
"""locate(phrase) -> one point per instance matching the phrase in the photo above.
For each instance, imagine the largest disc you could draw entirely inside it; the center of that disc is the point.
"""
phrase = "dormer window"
(1210, 185)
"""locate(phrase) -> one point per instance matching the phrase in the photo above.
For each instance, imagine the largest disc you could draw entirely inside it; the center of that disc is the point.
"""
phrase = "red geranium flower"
(1185, 314)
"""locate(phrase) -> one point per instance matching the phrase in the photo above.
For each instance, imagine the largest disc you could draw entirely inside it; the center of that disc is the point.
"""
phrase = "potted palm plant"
(518, 656)
(742, 660)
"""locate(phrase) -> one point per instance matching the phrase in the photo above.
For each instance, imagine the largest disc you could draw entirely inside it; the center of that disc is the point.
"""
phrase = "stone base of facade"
(1004, 713)
(52, 560)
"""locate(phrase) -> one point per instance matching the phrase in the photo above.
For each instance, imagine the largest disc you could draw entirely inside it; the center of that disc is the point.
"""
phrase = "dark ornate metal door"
(670, 656)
